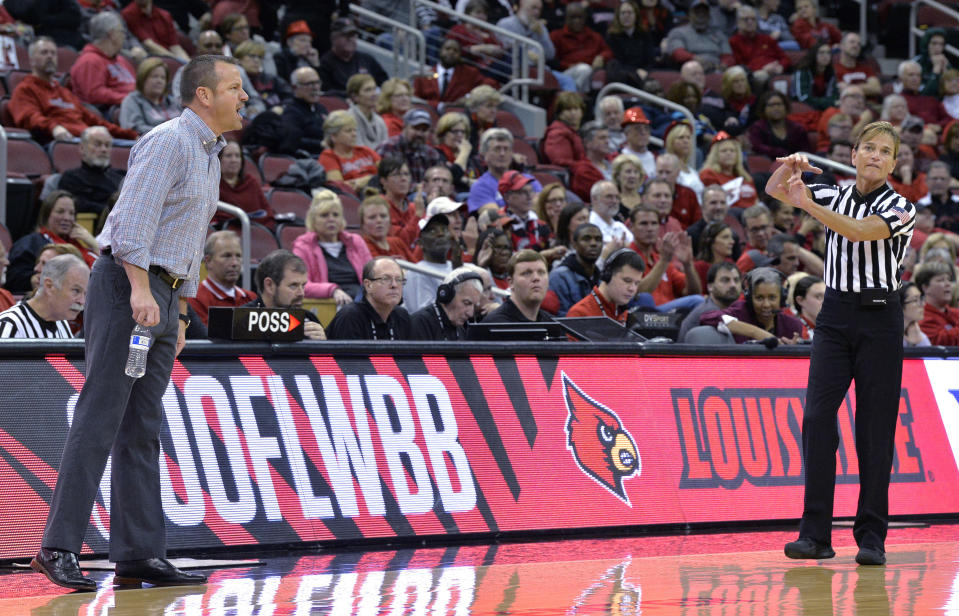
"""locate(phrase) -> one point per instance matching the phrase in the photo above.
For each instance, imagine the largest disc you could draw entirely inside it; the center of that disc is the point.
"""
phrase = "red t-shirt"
(394, 123)
(158, 26)
(747, 190)
(857, 74)
(673, 282)
(362, 163)
(397, 248)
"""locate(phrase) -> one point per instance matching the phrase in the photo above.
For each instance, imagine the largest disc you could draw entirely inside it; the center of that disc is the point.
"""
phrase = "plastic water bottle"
(140, 341)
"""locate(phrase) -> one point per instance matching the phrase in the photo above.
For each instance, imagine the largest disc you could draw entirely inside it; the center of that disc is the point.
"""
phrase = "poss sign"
(274, 324)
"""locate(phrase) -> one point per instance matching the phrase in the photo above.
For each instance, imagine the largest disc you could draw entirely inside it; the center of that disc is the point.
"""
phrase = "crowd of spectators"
(587, 219)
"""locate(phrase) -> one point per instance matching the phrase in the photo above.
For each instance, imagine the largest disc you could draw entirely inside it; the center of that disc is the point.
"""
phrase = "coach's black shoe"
(807, 548)
(156, 571)
(61, 568)
(871, 556)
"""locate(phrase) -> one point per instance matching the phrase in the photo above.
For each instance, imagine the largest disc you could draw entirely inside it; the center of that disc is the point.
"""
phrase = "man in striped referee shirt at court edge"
(858, 337)
(58, 300)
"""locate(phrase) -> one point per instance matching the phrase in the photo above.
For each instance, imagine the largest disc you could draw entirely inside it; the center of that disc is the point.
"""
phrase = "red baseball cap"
(634, 115)
(297, 27)
(512, 181)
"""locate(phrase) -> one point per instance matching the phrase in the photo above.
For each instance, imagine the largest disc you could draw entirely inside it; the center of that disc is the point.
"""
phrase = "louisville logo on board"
(601, 446)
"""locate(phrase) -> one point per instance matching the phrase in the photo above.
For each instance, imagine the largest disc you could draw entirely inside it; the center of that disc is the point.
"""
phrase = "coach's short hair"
(201, 72)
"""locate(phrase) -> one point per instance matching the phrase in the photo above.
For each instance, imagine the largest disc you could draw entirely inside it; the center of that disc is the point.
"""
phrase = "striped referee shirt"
(20, 321)
(853, 266)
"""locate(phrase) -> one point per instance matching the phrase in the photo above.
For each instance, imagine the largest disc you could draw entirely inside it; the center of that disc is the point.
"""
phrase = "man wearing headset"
(619, 283)
(456, 299)
(759, 315)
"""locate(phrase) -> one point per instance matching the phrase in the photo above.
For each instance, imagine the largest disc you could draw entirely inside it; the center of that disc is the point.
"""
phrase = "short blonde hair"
(731, 73)
(371, 202)
(932, 240)
(712, 159)
(449, 121)
(879, 128)
(671, 137)
(480, 95)
(146, 67)
(357, 82)
(249, 47)
(324, 200)
(628, 159)
(387, 90)
(949, 73)
(335, 122)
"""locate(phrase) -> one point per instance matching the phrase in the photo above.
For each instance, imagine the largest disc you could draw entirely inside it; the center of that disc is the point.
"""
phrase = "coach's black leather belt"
(166, 277)
(162, 274)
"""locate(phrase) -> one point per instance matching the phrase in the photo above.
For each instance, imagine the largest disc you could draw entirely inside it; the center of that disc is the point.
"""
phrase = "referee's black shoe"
(808, 548)
(871, 556)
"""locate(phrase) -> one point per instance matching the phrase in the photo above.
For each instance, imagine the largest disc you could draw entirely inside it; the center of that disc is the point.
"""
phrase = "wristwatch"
(185, 319)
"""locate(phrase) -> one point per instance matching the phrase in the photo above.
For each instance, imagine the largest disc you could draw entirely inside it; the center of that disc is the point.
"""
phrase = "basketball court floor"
(721, 574)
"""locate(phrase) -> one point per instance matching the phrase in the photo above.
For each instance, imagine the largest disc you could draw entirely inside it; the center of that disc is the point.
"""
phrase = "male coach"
(858, 337)
(152, 245)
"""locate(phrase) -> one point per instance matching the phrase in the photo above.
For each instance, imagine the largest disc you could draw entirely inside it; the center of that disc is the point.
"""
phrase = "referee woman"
(858, 337)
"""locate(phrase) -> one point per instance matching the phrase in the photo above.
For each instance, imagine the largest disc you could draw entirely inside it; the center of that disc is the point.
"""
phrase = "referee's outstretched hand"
(797, 192)
(798, 163)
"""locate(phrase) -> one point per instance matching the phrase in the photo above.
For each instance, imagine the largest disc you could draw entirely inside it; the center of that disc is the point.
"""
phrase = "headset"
(607, 274)
(447, 291)
(749, 282)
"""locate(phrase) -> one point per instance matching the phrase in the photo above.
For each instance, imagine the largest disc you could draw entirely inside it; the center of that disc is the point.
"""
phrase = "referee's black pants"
(861, 344)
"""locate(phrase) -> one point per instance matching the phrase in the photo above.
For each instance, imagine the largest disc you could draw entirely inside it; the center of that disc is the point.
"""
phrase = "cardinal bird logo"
(600, 444)
(613, 591)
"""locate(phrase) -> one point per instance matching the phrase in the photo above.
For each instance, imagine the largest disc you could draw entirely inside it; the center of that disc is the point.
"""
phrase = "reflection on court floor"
(718, 575)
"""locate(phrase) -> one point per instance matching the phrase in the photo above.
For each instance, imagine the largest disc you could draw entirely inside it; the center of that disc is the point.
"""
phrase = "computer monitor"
(598, 329)
(506, 332)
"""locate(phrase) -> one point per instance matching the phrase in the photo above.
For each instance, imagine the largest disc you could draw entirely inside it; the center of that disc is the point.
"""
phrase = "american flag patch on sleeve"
(900, 213)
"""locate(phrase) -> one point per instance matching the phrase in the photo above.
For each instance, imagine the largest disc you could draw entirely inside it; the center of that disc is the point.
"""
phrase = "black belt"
(162, 274)
(884, 295)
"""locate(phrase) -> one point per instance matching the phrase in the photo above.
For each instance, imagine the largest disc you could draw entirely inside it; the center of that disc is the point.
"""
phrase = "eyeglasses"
(400, 174)
(390, 280)
(915, 300)
(758, 229)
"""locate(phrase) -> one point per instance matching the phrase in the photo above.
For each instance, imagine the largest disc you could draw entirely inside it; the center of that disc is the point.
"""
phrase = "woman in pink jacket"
(334, 257)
